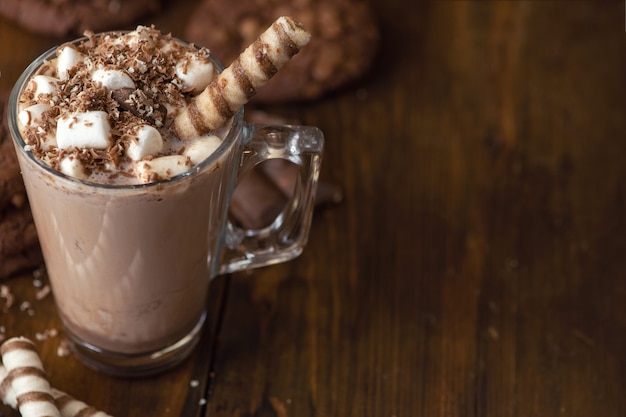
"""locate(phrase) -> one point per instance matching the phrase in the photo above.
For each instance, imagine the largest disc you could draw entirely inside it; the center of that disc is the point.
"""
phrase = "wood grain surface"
(477, 264)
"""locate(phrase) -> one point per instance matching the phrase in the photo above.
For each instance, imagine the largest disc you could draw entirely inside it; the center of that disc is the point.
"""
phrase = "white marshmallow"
(48, 142)
(84, 130)
(195, 73)
(162, 167)
(67, 59)
(202, 148)
(44, 84)
(72, 167)
(31, 115)
(147, 141)
(167, 47)
(172, 110)
(112, 79)
(134, 38)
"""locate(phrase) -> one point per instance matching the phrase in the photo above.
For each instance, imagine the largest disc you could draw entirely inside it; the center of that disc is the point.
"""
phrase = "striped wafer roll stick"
(28, 379)
(7, 395)
(71, 407)
(238, 83)
(67, 405)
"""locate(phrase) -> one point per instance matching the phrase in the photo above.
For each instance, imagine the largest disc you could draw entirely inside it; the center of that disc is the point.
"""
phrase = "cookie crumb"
(43, 292)
(63, 350)
(27, 307)
(46, 334)
(39, 273)
(5, 292)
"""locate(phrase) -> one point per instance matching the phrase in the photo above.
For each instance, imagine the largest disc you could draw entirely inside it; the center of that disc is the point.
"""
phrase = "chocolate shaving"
(149, 59)
(141, 105)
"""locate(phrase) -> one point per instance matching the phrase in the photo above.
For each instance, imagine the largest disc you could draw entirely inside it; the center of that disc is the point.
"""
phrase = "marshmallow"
(202, 148)
(31, 115)
(172, 109)
(72, 167)
(169, 47)
(67, 59)
(47, 141)
(137, 36)
(45, 85)
(162, 168)
(195, 72)
(84, 130)
(113, 79)
(147, 141)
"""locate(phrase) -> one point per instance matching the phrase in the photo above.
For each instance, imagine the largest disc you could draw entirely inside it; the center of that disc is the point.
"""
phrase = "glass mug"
(130, 265)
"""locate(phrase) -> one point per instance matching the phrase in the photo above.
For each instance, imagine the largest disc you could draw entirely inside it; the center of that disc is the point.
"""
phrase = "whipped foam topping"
(103, 108)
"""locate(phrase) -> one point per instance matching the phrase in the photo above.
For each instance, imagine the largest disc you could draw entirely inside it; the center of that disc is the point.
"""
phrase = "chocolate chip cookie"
(72, 17)
(344, 41)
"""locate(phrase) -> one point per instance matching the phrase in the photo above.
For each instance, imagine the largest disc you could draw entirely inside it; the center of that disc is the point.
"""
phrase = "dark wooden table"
(477, 265)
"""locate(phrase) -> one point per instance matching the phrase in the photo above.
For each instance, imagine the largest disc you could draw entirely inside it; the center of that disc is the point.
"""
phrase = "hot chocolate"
(101, 111)
(130, 145)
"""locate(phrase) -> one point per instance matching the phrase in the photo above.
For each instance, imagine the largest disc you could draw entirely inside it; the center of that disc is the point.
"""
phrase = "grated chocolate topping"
(149, 58)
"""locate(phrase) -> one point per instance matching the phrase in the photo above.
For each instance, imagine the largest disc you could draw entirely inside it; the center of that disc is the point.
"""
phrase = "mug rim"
(18, 139)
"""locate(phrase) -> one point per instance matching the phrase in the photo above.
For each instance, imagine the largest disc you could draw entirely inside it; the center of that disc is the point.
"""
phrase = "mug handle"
(286, 236)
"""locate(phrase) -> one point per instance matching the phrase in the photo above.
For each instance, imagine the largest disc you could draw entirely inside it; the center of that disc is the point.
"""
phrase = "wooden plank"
(470, 269)
(476, 264)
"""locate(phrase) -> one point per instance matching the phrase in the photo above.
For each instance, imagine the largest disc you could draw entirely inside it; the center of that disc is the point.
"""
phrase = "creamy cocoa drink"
(74, 119)
(129, 175)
